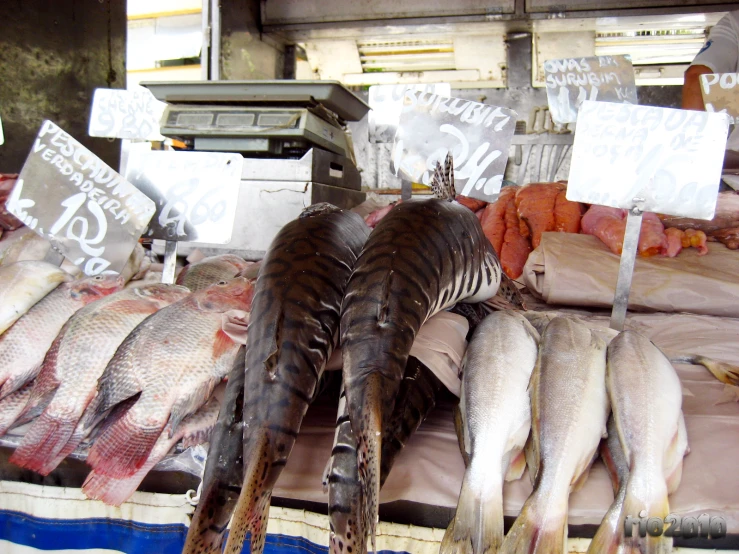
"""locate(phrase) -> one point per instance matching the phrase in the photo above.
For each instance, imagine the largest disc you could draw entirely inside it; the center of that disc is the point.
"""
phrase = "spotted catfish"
(293, 330)
(423, 257)
(416, 398)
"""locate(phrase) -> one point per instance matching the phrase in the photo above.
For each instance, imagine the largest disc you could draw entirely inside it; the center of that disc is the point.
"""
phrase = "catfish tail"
(724, 372)
(252, 508)
(367, 419)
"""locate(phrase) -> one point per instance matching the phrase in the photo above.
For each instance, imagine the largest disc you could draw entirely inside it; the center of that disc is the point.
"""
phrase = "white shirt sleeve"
(720, 53)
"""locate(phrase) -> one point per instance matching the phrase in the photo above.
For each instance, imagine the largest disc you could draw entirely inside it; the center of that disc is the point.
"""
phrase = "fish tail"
(110, 490)
(724, 372)
(42, 443)
(609, 536)
(252, 509)
(478, 523)
(650, 502)
(369, 448)
(535, 533)
(123, 447)
(510, 292)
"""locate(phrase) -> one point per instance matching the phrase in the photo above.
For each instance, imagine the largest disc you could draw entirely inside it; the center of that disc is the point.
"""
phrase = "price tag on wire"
(571, 81)
(85, 209)
(126, 113)
(477, 135)
(196, 193)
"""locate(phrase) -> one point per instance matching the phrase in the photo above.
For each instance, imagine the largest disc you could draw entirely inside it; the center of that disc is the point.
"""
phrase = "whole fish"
(618, 469)
(224, 469)
(497, 420)
(416, 398)
(195, 429)
(569, 409)
(67, 381)
(173, 359)
(643, 387)
(22, 285)
(209, 271)
(292, 332)
(423, 256)
(23, 346)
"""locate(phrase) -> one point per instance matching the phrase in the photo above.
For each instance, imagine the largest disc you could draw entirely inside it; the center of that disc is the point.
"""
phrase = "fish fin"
(190, 404)
(516, 467)
(509, 291)
(369, 448)
(478, 522)
(442, 181)
(12, 406)
(110, 490)
(460, 429)
(17, 381)
(608, 537)
(532, 533)
(42, 443)
(222, 344)
(123, 447)
(651, 502)
(675, 454)
(580, 481)
(40, 398)
(252, 509)
(724, 372)
(531, 449)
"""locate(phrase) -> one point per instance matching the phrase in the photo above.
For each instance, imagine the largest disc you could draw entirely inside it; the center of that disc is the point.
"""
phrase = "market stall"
(302, 317)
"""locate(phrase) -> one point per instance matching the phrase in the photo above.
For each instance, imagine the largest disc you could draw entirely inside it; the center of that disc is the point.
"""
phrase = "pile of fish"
(126, 371)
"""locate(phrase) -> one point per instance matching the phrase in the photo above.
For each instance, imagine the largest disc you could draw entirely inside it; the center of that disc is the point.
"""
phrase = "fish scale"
(293, 326)
(23, 346)
(77, 358)
(209, 271)
(174, 359)
(424, 256)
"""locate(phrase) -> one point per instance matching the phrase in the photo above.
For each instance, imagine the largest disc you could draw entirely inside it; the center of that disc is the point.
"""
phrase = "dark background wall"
(53, 55)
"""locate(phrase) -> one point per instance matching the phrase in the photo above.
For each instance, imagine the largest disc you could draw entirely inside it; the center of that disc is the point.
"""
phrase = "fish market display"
(569, 408)
(224, 469)
(209, 271)
(23, 346)
(195, 429)
(24, 283)
(68, 378)
(424, 256)
(497, 419)
(618, 469)
(172, 360)
(293, 328)
(416, 398)
(643, 387)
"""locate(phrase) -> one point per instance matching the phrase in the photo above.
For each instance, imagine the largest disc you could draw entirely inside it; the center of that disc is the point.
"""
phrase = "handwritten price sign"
(195, 193)
(126, 114)
(668, 159)
(477, 135)
(572, 81)
(86, 210)
(386, 102)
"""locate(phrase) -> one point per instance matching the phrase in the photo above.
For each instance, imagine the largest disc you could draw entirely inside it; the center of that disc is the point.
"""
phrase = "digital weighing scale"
(292, 135)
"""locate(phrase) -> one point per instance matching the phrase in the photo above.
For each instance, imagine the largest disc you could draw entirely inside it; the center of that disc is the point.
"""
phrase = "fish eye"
(221, 283)
(98, 277)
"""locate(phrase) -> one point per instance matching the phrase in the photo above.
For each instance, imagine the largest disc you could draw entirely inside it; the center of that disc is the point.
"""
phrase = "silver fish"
(423, 257)
(644, 387)
(569, 408)
(497, 418)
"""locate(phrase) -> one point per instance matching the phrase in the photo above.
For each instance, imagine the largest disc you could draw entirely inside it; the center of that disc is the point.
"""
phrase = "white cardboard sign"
(386, 102)
(668, 160)
(477, 135)
(571, 81)
(196, 193)
(126, 114)
(71, 197)
(721, 94)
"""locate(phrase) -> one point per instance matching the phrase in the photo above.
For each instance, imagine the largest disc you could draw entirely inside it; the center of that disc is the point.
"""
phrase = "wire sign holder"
(645, 159)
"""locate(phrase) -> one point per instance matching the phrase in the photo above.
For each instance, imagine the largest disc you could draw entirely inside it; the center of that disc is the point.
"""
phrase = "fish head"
(321, 208)
(234, 294)
(89, 289)
(161, 294)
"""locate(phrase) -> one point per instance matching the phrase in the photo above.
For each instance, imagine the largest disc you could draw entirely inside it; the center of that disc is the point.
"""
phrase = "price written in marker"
(571, 81)
(86, 210)
(668, 159)
(477, 135)
(196, 193)
(386, 102)
(126, 114)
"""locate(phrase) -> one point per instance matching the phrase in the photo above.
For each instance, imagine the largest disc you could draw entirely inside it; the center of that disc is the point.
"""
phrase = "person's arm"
(692, 98)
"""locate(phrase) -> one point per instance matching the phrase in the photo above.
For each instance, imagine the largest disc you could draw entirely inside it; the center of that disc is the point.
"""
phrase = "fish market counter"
(421, 492)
